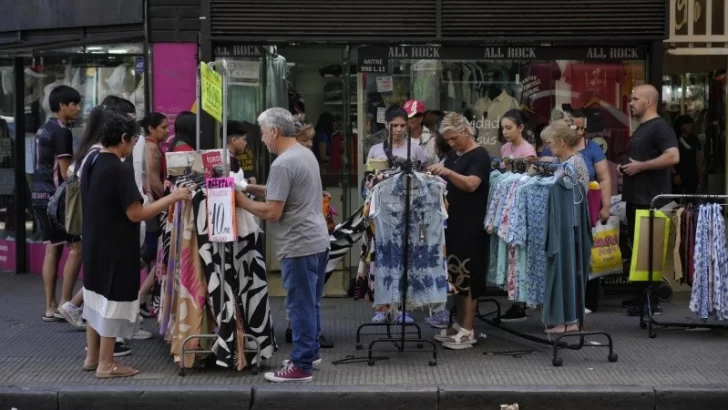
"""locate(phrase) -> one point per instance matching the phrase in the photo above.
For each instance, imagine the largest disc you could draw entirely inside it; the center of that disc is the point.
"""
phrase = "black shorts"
(50, 232)
(149, 247)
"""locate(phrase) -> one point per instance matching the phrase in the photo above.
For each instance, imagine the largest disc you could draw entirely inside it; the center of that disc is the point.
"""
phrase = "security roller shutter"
(554, 19)
(323, 19)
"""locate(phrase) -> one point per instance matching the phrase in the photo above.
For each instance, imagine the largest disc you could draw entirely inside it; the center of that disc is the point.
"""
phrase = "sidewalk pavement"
(40, 368)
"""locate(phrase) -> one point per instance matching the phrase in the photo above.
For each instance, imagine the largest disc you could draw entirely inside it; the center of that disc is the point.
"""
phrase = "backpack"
(64, 207)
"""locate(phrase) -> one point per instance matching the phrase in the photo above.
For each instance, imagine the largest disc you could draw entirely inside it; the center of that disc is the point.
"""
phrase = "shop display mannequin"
(277, 79)
(499, 103)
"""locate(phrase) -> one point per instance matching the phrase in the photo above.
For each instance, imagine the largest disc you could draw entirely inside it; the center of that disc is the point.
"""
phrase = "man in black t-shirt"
(54, 149)
(651, 153)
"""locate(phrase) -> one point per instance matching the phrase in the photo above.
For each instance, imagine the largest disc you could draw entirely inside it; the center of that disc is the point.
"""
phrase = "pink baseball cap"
(414, 107)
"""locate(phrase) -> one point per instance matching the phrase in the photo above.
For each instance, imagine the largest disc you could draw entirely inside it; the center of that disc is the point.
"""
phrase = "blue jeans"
(303, 279)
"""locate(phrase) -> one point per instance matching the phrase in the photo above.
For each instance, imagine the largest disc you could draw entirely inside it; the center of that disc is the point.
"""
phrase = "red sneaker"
(289, 374)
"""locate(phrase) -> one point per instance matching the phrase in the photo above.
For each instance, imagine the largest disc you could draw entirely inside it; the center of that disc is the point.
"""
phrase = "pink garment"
(522, 151)
(594, 200)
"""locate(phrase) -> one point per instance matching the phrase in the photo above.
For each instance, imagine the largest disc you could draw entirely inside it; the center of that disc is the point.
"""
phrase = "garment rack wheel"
(432, 362)
(663, 291)
(558, 362)
(613, 358)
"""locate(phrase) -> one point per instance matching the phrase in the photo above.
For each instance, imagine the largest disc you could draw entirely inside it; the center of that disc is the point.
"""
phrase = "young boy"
(54, 149)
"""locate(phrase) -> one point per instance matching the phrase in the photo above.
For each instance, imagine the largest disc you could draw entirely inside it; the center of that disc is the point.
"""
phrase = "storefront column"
(21, 194)
(204, 53)
(725, 145)
(654, 67)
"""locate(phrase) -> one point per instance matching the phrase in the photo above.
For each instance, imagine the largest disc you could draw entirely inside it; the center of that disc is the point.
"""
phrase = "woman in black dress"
(467, 171)
(112, 210)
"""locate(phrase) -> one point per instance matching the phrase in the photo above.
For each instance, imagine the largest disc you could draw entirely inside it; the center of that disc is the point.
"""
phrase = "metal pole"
(199, 106)
(225, 170)
(21, 183)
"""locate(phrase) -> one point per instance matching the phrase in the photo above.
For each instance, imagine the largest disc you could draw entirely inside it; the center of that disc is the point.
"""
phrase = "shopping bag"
(639, 266)
(73, 207)
(606, 257)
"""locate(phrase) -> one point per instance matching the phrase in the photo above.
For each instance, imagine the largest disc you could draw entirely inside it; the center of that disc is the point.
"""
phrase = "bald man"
(651, 152)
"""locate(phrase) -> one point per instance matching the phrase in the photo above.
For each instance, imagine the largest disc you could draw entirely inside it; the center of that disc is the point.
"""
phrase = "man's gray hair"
(279, 118)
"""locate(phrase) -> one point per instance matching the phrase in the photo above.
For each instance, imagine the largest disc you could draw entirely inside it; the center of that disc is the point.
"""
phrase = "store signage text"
(681, 13)
(431, 52)
(239, 50)
(373, 65)
(613, 53)
(510, 52)
(376, 59)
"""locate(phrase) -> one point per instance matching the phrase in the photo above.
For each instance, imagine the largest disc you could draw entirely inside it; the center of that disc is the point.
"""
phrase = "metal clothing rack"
(645, 301)
(402, 341)
(226, 169)
(559, 343)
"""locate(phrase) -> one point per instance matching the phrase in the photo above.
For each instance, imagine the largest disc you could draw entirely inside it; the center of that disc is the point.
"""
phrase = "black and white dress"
(110, 247)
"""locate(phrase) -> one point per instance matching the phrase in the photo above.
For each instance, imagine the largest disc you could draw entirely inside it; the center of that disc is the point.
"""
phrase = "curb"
(548, 397)
(396, 397)
(691, 398)
(154, 398)
(272, 397)
(24, 398)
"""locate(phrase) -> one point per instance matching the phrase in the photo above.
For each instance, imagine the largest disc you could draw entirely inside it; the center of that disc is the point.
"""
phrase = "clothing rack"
(645, 301)
(557, 344)
(402, 341)
(226, 170)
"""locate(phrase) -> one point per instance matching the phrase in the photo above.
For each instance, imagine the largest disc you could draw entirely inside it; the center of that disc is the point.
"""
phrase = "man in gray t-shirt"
(295, 180)
(300, 236)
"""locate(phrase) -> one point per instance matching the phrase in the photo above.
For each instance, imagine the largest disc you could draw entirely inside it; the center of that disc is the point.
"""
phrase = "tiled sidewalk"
(49, 355)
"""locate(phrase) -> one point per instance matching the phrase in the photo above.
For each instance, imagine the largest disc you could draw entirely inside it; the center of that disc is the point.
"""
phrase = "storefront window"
(701, 97)
(543, 89)
(7, 136)
(96, 72)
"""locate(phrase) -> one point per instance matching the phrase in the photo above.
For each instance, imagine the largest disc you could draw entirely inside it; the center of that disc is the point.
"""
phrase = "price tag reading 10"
(221, 226)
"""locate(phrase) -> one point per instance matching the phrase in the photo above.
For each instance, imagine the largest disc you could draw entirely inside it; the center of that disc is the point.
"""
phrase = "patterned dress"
(426, 273)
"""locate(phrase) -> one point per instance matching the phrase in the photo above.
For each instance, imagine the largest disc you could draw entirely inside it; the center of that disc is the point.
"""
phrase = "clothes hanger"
(526, 108)
(593, 101)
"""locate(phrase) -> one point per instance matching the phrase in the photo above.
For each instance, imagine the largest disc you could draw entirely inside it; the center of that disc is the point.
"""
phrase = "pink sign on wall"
(174, 73)
(7, 255)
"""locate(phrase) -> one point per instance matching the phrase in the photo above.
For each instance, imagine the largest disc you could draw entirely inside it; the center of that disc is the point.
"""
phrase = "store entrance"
(315, 84)
(320, 82)
(694, 88)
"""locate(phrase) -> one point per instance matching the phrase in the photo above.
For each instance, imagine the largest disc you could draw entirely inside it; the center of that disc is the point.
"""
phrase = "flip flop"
(118, 371)
(89, 368)
(50, 319)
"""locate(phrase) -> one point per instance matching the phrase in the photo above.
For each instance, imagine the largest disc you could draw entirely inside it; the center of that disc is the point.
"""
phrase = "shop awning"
(28, 42)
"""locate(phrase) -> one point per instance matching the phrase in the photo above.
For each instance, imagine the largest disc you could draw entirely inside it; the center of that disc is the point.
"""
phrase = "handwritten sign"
(211, 91)
(381, 117)
(221, 226)
(384, 84)
(245, 72)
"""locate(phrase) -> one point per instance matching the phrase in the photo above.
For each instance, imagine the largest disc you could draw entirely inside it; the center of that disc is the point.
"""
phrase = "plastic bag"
(606, 257)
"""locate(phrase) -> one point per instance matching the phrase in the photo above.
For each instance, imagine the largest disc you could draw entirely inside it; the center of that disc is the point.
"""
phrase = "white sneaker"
(142, 334)
(316, 363)
(120, 340)
(379, 317)
(587, 311)
(72, 315)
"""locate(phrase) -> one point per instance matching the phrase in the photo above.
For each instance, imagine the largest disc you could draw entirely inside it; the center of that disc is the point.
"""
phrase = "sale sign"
(221, 226)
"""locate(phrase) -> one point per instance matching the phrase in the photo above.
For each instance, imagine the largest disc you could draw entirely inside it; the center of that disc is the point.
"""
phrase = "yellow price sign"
(211, 91)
